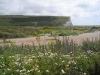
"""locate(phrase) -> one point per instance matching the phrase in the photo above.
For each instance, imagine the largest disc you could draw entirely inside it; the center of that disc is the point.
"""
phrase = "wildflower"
(47, 70)
(11, 56)
(28, 71)
(19, 64)
(8, 69)
(33, 56)
(76, 67)
(63, 61)
(52, 41)
(26, 62)
(29, 60)
(24, 69)
(32, 70)
(46, 53)
(84, 73)
(56, 63)
(67, 65)
(18, 59)
(37, 61)
(3, 73)
(21, 70)
(16, 63)
(1, 57)
(3, 65)
(66, 56)
(74, 62)
(62, 71)
(69, 62)
(38, 70)
(17, 70)
(37, 66)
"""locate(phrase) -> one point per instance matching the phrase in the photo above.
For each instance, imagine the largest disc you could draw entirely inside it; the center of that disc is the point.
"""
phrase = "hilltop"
(6, 20)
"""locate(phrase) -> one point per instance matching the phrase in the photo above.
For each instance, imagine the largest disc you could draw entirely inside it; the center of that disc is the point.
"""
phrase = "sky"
(81, 12)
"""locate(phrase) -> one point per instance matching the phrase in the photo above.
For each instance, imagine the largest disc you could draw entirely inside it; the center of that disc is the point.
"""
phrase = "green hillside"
(6, 20)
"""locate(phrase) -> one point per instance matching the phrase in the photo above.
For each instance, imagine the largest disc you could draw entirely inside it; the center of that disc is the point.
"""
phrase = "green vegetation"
(17, 31)
(61, 58)
(31, 31)
(56, 58)
(32, 20)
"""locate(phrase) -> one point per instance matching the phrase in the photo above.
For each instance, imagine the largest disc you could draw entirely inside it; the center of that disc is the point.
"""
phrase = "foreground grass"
(61, 58)
(50, 64)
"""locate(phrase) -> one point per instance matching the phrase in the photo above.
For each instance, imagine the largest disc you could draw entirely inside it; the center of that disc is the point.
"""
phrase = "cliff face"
(35, 20)
(68, 23)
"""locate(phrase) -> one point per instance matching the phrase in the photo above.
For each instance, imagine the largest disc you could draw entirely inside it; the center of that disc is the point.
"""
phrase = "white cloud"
(77, 9)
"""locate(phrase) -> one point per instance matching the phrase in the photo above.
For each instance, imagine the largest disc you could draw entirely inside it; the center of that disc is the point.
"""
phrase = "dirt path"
(45, 39)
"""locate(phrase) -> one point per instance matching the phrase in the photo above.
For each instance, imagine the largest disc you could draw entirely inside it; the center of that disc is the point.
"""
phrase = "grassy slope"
(28, 20)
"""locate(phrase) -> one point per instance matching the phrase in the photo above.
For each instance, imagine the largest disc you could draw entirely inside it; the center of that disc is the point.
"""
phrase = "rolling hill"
(22, 20)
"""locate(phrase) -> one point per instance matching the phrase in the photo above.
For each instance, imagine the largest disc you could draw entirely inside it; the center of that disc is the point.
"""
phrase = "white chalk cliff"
(68, 23)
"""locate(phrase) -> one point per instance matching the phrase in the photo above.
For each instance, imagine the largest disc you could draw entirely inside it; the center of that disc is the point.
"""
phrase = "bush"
(62, 34)
(90, 45)
(5, 35)
(19, 35)
(47, 30)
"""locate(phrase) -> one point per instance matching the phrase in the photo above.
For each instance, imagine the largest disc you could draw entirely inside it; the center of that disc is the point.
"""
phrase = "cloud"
(77, 9)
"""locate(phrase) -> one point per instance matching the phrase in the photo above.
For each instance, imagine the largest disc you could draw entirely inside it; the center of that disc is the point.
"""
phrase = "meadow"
(33, 31)
(59, 58)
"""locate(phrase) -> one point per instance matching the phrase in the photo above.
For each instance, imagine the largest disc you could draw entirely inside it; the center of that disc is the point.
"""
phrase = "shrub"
(88, 45)
(46, 31)
(5, 35)
(62, 34)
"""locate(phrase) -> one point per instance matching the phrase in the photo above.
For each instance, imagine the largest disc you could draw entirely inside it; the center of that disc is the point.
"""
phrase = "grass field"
(30, 31)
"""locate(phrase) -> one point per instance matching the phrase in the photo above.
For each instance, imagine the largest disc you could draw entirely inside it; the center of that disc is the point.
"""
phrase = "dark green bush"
(94, 69)
(90, 45)
(62, 34)
(97, 46)
(5, 35)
